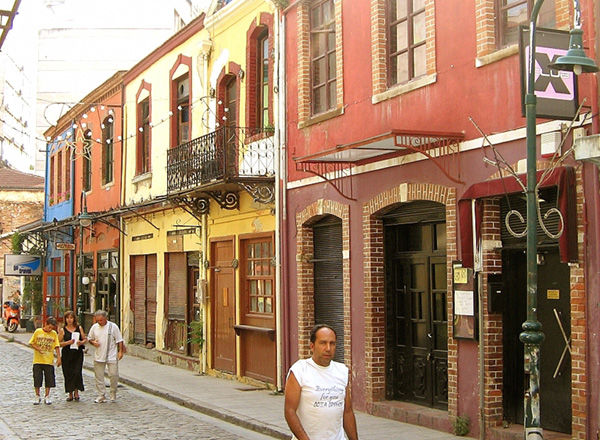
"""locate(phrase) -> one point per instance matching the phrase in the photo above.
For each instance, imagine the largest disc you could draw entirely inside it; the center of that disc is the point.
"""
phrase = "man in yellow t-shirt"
(44, 341)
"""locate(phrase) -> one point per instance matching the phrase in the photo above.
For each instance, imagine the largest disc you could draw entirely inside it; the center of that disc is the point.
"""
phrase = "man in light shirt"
(318, 405)
(107, 338)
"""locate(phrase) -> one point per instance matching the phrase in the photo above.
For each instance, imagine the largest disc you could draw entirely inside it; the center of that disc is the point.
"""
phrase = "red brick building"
(21, 202)
(405, 147)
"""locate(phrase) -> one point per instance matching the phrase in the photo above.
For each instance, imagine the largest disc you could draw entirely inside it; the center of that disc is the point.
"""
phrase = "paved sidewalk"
(238, 403)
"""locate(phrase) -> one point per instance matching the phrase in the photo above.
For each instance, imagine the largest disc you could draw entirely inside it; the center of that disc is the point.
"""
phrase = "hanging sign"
(22, 265)
(555, 90)
(65, 246)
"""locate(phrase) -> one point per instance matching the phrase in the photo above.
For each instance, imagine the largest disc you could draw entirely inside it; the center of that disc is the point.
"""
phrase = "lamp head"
(575, 59)
(85, 219)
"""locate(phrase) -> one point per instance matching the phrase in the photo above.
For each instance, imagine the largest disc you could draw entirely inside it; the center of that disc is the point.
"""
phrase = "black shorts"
(45, 371)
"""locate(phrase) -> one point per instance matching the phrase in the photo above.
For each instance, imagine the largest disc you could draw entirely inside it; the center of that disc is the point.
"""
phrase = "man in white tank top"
(317, 393)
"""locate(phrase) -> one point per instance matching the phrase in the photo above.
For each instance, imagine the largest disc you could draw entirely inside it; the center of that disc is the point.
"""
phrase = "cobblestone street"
(135, 415)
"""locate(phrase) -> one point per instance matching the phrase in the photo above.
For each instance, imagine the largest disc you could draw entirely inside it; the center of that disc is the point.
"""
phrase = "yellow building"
(200, 165)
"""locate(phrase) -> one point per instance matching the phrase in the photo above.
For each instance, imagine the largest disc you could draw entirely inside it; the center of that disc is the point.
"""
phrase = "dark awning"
(561, 177)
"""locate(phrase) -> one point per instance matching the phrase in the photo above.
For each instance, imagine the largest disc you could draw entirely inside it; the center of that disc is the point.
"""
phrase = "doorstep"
(516, 432)
(414, 414)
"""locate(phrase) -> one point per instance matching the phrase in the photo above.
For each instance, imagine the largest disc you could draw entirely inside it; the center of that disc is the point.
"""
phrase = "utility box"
(495, 290)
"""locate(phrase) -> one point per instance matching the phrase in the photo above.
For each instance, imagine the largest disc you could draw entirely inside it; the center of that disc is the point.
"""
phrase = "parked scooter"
(11, 315)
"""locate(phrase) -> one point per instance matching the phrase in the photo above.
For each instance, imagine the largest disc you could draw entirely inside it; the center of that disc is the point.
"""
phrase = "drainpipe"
(278, 237)
(477, 266)
(282, 184)
(123, 180)
(205, 298)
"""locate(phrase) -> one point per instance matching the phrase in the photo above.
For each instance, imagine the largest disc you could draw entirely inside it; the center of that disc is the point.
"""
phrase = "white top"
(321, 407)
(107, 350)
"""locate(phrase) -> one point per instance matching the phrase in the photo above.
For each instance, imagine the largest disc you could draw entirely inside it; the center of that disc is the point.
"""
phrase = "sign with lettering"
(22, 265)
(556, 90)
(65, 246)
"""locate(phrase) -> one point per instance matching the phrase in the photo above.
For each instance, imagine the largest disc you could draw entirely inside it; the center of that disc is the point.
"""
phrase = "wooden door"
(223, 306)
(257, 333)
(416, 315)
(555, 360)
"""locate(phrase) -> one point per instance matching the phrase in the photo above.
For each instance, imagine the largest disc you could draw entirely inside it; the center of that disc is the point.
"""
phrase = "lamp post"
(532, 335)
(85, 220)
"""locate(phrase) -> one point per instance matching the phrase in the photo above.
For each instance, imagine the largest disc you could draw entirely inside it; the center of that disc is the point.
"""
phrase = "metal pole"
(532, 335)
(80, 279)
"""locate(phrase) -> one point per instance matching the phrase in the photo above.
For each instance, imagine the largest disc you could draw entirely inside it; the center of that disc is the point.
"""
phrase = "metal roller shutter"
(328, 270)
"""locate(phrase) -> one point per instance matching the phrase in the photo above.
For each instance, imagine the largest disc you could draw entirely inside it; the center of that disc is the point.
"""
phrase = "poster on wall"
(22, 265)
(465, 302)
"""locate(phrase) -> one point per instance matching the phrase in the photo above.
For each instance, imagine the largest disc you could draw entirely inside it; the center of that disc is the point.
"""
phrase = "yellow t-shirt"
(47, 342)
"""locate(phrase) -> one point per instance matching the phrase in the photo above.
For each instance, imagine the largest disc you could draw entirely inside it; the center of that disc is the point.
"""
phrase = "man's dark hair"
(52, 321)
(316, 328)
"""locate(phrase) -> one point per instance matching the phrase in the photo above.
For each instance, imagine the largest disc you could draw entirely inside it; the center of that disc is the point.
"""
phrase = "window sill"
(321, 117)
(108, 186)
(497, 55)
(401, 89)
(142, 177)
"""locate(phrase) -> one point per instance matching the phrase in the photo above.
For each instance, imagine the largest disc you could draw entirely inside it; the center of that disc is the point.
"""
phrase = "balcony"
(220, 163)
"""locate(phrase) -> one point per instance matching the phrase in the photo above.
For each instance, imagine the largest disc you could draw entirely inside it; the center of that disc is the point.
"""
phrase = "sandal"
(69, 399)
(76, 398)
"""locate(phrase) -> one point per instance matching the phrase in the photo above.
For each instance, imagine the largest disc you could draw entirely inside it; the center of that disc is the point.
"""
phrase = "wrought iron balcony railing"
(229, 154)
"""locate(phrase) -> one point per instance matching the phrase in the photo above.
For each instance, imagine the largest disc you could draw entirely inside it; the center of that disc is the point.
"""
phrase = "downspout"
(278, 137)
(205, 298)
(477, 265)
(205, 51)
(282, 184)
(122, 177)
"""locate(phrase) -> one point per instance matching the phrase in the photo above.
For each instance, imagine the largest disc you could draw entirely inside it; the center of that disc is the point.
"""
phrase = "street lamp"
(85, 220)
(532, 336)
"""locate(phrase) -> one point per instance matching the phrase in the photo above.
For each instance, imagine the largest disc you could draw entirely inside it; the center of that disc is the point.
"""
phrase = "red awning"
(562, 177)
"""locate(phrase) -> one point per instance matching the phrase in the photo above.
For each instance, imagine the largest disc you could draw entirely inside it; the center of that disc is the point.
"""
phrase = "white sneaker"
(100, 400)
(47, 401)
(37, 400)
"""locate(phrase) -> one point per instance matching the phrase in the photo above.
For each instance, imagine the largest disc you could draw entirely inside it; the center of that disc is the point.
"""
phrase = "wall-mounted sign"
(65, 246)
(22, 265)
(465, 302)
(555, 90)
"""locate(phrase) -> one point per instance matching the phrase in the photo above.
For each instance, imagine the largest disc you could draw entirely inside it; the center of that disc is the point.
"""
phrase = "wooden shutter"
(177, 285)
(151, 298)
(139, 298)
(328, 271)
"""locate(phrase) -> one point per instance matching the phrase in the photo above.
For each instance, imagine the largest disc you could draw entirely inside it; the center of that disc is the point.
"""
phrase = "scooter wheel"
(12, 327)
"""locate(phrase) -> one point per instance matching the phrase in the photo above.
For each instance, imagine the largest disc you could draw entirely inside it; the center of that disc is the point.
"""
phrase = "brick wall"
(16, 211)
(379, 43)
(305, 270)
(374, 289)
(579, 376)
(492, 322)
(485, 23)
(304, 77)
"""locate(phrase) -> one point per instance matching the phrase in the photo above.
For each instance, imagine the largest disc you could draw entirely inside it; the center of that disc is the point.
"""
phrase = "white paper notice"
(75, 337)
(463, 302)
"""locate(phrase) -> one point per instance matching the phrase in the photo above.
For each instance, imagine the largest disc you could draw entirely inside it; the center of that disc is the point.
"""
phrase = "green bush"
(196, 333)
(460, 425)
